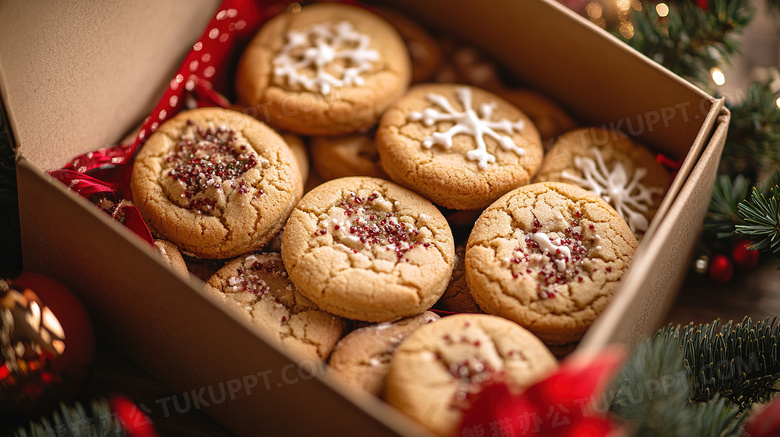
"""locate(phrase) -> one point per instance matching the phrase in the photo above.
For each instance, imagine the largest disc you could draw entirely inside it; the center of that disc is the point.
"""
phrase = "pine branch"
(761, 213)
(652, 396)
(75, 421)
(738, 362)
(690, 40)
(754, 131)
(723, 216)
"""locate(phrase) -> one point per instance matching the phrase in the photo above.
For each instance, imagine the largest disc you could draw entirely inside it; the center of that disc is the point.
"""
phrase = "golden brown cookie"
(329, 69)
(345, 155)
(456, 297)
(549, 118)
(609, 164)
(468, 65)
(256, 288)
(172, 257)
(424, 51)
(437, 369)
(362, 358)
(548, 256)
(367, 249)
(216, 183)
(461, 147)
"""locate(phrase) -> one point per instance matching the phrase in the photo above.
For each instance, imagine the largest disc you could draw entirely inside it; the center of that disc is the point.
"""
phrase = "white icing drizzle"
(630, 198)
(325, 48)
(468, 122)
(562, 253)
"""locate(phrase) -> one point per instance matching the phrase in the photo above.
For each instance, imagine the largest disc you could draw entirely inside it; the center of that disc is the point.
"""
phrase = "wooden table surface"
(755, 293)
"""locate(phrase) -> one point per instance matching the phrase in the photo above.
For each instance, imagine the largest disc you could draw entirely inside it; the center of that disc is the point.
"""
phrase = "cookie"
(424, 51)
(298, 148)
(172, 257)
(457, 297)
(549, 118)
(256, 288)
(437, 369)
(345, 155)
(548, 256)
(611, 165)
(362, 358)
(468, 65)
(461, 147)
(216, 183)
(368, 249)
(328, 69)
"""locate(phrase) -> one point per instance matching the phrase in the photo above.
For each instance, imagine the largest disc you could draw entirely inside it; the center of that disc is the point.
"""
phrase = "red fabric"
(562, 405)
(106, 171)
(766, 423)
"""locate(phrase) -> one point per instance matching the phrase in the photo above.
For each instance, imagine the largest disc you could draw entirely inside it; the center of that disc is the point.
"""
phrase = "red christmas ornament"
(721, 269)
(562, 405)
(134, 421)
(743, 256)
(703, 4)
(47, 344)
(766, 423)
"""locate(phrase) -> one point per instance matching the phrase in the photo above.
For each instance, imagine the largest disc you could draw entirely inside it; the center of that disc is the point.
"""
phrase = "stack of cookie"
(435, 195)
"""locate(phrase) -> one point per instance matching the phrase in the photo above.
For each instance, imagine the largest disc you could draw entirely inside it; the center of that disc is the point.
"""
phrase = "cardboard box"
(78, 75)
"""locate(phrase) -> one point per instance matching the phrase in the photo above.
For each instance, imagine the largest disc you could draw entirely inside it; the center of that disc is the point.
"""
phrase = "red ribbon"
(105, 173)
(561, 405)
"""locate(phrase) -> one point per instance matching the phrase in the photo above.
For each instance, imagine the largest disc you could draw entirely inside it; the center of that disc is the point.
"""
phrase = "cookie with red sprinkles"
(367, 249)
(256, 288)
(437, 370)
(548, 256)
(215, 182)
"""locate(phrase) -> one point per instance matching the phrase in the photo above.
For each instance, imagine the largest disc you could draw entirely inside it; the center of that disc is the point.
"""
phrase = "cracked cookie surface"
(548, 256)
(328, 69)
(256, 287)
(368, 249)
(362, 357)
(461, 147)
(436, 371)
(611, 165)
(216, 183)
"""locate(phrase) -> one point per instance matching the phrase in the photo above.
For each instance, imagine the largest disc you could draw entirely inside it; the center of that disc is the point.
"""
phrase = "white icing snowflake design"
(468, 122)
(322, 48)
(630, 198)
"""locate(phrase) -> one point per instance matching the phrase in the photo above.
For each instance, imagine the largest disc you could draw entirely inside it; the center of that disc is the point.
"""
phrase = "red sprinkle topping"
(209, 160)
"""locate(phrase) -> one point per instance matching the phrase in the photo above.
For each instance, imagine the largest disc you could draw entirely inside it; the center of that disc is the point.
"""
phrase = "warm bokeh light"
(777, 102)
(624, 5)
(627, 30)
(593, 10)
(717, 76)
(662, 9)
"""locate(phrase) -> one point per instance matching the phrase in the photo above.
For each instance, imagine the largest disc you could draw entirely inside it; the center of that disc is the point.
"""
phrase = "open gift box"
(77, 76)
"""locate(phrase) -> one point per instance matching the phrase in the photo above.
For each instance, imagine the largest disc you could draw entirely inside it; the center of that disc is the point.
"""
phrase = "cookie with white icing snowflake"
(548, 256)
(256, 288)
(611, 165)
(459, 146)
(437, 371)
(362, 358)
(368, 249)
(215, 182)
(325, 69)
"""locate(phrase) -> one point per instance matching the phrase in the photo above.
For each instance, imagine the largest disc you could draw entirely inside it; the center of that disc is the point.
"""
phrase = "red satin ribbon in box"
(106, 172)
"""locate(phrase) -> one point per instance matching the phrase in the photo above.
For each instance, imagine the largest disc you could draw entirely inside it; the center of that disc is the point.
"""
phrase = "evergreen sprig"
(651, 396)
(691, 40)
(753, 141)
(75, 421)
(761, 214)
(723, 216)
(698, 379)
